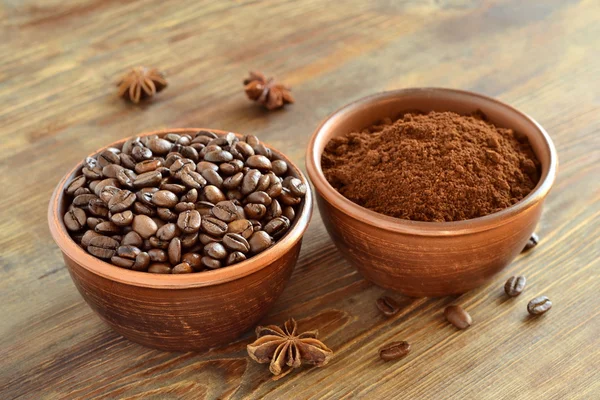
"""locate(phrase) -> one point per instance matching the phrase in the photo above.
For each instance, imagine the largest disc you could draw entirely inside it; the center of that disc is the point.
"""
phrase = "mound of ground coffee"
(439, 166)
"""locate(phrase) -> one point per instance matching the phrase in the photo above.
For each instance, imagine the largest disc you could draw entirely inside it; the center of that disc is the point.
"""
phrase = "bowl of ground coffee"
(181, 239)
(430, 192)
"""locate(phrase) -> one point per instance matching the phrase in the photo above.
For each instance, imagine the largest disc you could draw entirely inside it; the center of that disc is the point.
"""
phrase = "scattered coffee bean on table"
(388, 306)
(439, 166)
(514, 285)
(458, 317)
(532, 242)
(539, 305)
(182, 203)
(394, 351)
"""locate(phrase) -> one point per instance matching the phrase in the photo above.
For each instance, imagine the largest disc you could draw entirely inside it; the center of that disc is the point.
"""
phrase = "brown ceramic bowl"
(428, 258)
(181, 312)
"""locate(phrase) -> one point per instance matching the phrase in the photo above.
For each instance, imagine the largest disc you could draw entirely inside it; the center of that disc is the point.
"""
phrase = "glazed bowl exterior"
(185, 312)
(428, 258)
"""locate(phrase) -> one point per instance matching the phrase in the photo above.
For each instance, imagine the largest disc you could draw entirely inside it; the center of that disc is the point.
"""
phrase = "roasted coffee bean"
(242, 227)
(82, 190)
(233, 181)
(244, 149)
(102, 247)
(205, 239)
(87, 237)
(252, 140)
(190, 153)
(259, 162)
(123, 218)
(122, 262)
(458, 317)
(273, 211)
(174, 187)
(215, 250)
(214, 226)
(126, 177)
(255, 211)
(159, 268)
(148, 165)
(144, 226)
(181, 166)
(261, 149)
(250, 181)
(193, 259)
(159, 146)
(274, 189)
(140, 153)
(108, 192)
(235, 258)
(287, 198)
(141, 208)
(205, 165)
(157, 255)
(92, 222)
(208, 134)
(259, 241)
(111, 182)
(75, 219)
(183, 206)
(190, 197)
(218, 156)
(121, 201)
(76, 183)
(167, 232)
(174, 251)
(539, 305)
(108, 157)
(111, 170)
(210, 263)
(92, 174)
(259, 198)
(166, 214)
(296, 187)
(158, 244)
(235, 242)
(213, 194)
(288, 212)
(279, 167)
(89, 162)
(83, 200)
(225, 211)
(189, 221)
(127, 161)
(164, 198)
(234, 195)
(387, 306)
(107, 228)
(256, 225)
(204, 207)
(394, 351)
(532, 242)
(141, 262)
(128, 251)
(263, 183)
(227, 169)
(133, 239)
(182, 268)
(147, 179)
(212, 177)
(171, 158)
(514, 285)
(192, 179)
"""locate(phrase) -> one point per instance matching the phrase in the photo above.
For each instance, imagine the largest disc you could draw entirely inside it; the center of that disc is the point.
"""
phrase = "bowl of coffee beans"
(430, 192)
(181, 239)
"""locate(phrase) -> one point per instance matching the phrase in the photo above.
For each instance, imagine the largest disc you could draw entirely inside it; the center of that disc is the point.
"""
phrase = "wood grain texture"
(59, 62)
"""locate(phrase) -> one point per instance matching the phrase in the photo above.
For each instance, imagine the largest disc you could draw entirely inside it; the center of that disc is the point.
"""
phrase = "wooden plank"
(59, 61)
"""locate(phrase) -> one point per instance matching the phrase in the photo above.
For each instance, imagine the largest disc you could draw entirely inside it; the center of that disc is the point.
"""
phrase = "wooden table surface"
(59, 61)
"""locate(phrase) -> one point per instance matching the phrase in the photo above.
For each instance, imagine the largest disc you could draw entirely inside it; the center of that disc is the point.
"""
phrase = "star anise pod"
(267, 91)
(285, 349)
(141, 83)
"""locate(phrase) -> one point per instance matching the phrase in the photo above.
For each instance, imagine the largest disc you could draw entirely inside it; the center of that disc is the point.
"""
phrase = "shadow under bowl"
(185, 312)
(428, 258)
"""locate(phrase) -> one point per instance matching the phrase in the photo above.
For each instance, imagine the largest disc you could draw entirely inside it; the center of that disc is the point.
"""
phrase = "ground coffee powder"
(439, 166)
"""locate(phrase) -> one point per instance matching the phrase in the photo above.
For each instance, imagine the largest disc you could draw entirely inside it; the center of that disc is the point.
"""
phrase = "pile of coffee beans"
(182, 203)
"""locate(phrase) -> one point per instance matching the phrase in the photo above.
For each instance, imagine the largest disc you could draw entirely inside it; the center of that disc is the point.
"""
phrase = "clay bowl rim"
(423, 228)
(176, 281)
